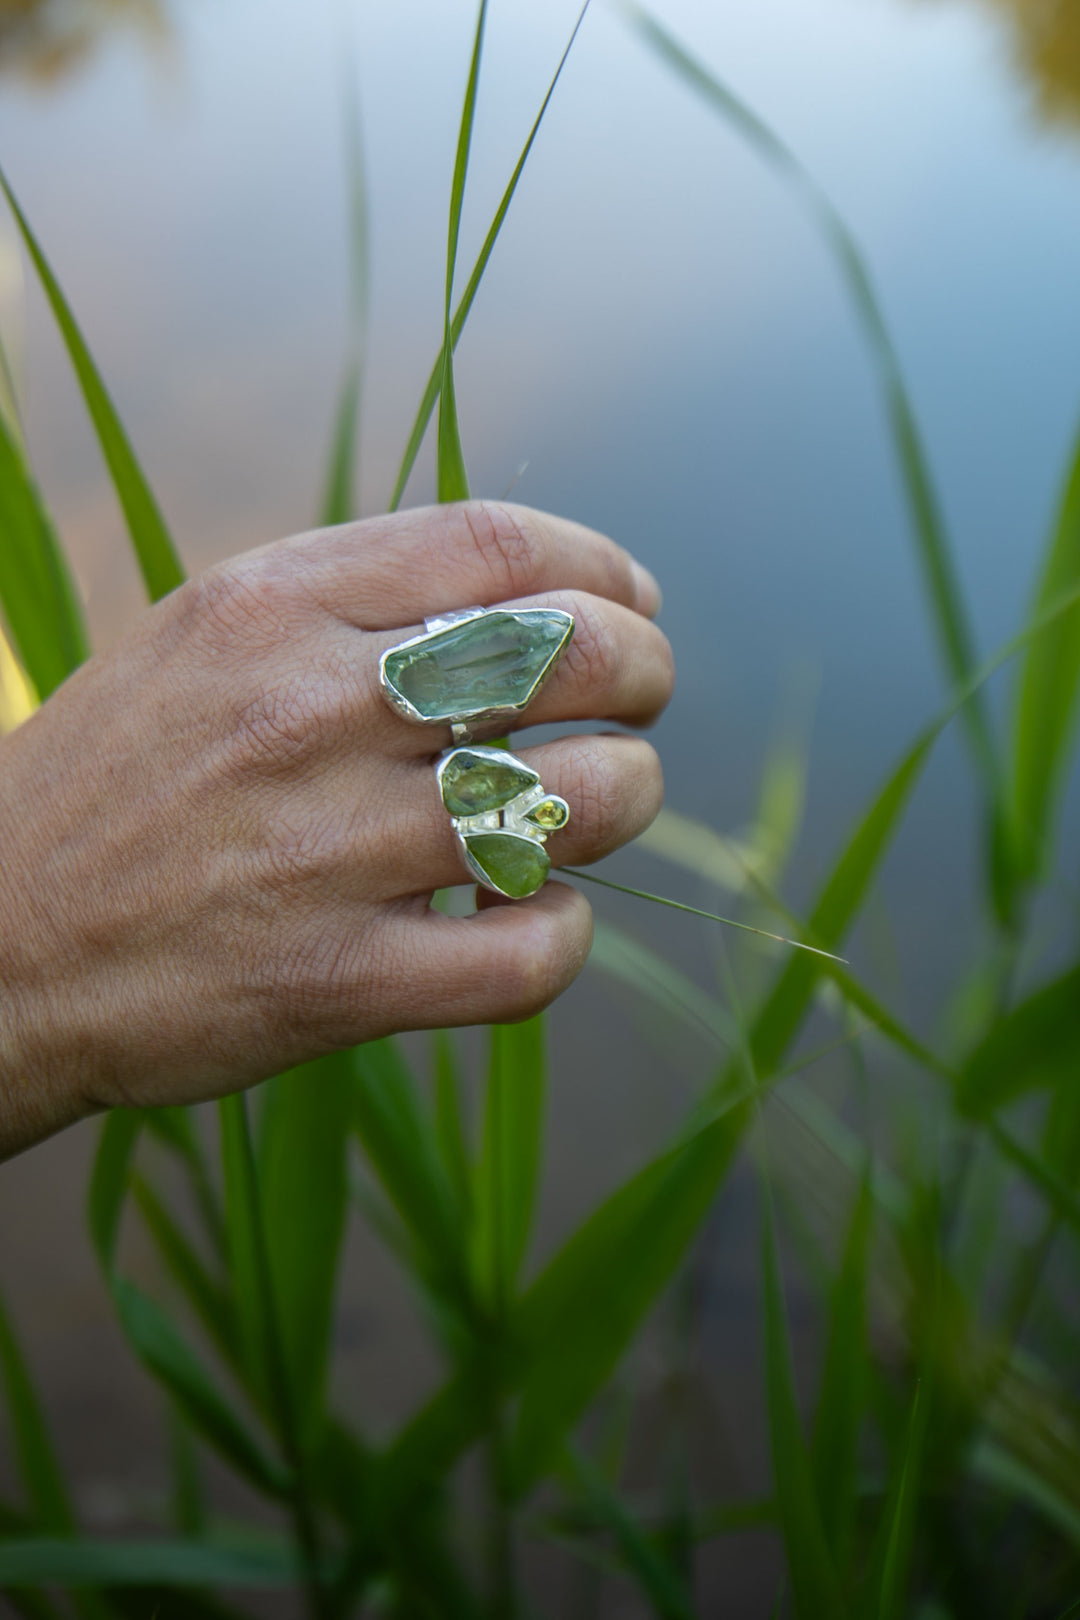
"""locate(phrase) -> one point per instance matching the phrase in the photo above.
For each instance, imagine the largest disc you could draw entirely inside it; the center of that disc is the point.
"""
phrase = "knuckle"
(599, 794)
(242, 606)
(507, 543)
(594, 654)
(299, 851)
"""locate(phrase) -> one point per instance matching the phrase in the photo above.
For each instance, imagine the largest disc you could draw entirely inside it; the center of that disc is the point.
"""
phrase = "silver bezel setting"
(510, 818)
(463, 724)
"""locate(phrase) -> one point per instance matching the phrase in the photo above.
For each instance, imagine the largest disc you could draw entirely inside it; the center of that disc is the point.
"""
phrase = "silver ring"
(474, 667)
(502, 816)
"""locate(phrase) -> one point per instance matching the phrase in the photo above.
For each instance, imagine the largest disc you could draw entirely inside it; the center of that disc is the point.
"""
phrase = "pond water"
(661, 338)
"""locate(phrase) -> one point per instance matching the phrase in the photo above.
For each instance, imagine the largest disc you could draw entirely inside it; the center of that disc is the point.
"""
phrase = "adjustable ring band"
(502, 817)
(474, 667)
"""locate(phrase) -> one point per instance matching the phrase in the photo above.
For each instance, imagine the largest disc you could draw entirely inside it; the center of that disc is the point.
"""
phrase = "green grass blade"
(404, 1153)
(64, 1562)
(150, 1332)
(38, 1465)
(841, 1407)
(340, 499)
(29, 1605)
(23, 1601)
(1050, 1491)
(110, 1181)
(1060, 1196)
(452, 479)
(813, 1579)
(934, 549)
(461, 314)
(174, 1128)
(1037, 1044)
(573, 1323)
(39, 599)
(617, 954)
(303, 1187)
(659, 1583)
(153, 546)
(163, 1351)
(779, 1020)
(578, 1317)
(450, 1130)
(252, 1273)
(781, 1016)
(189, 1506)
(246, 1293)
(510, 1162)
(1046, 693)
(203, 1292)
(889, 1586)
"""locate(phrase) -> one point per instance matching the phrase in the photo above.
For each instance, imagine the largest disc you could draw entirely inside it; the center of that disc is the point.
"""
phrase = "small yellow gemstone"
(550, 814)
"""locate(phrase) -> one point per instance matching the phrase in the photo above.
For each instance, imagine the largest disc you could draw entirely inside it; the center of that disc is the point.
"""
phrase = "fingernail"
(649, 598)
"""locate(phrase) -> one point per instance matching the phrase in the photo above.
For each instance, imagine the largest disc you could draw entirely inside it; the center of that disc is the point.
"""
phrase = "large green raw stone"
(492, 662)
(473, 782)
(516, 866)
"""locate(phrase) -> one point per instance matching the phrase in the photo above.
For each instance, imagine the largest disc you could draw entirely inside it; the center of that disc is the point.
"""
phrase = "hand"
(220, 845)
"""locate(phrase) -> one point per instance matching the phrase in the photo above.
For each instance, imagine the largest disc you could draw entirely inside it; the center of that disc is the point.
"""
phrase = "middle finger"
(617, 666)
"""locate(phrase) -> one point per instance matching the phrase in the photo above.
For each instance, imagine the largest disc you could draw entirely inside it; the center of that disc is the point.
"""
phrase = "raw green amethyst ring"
(502, 817)
(475, 666)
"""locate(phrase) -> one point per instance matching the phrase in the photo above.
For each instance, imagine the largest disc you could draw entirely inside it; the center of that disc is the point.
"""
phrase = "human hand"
(220, 845)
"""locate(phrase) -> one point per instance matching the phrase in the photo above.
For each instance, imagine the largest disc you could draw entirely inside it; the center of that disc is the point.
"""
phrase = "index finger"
(386, 572)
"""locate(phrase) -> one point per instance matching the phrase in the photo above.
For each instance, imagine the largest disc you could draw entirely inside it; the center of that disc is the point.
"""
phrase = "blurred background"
(662, 340)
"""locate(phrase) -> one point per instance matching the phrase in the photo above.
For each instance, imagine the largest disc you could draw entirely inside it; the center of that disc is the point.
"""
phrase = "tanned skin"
(218, 845)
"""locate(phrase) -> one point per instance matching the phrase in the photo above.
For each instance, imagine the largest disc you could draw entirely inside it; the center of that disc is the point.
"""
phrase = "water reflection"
(42, 39)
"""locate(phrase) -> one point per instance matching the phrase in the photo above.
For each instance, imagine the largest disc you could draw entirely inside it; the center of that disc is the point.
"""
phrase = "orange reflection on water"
(1045, 49)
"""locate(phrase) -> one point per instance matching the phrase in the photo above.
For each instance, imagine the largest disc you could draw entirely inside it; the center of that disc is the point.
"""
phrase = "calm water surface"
(662, 339)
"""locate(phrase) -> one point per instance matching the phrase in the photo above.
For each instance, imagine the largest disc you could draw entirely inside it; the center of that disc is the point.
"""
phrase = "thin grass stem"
(696, 911)
(472, 287)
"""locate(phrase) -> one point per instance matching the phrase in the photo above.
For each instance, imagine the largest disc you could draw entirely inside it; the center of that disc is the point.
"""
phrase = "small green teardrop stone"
(473, 782)
(516, 866)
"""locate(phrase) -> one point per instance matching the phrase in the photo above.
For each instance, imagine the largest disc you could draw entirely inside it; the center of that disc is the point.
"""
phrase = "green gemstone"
(549, 815)
(516, 866)
(495, 661)
(474, 780)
